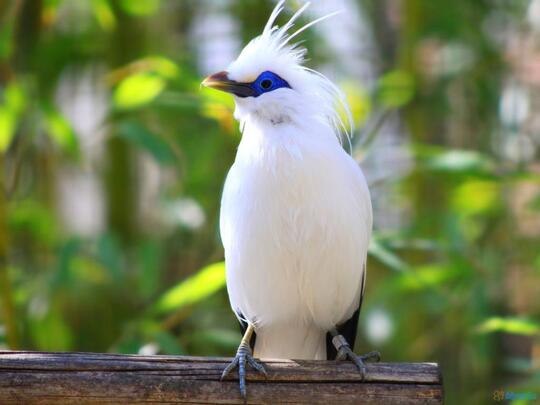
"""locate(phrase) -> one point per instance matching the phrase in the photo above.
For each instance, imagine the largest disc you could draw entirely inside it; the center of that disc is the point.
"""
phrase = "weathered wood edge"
(92, 378)
(279, 370)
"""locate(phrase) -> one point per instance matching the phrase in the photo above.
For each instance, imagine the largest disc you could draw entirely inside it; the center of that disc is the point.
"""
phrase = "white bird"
(296, 213)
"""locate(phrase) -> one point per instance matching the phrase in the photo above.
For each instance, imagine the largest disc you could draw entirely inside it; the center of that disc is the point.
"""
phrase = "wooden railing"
(88, 378)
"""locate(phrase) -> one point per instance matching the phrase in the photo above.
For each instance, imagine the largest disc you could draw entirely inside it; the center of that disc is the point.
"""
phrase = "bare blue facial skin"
(266, 82)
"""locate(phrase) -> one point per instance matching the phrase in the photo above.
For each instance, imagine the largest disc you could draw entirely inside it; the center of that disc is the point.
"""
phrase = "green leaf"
(35, 219)
(160, 65)
(14, 98)
(8, 122)
(137, 90)
(517, 326)
(168, 343)
(476, 197)
(110, 255)
(59, 129)
(141, 137)
(219, 106)
(58, 337)
(395, 89)
(6, 38)
(89, 272)
(104, 14)
(386, 256)
(67, 253)
(534, 204)
(219, 337)
(13, 105)
(128, 345)
(453, 161)
(359, 103)
(140, 7)
(153, 65)
(427, 276)
(149, 265)
(194, 289)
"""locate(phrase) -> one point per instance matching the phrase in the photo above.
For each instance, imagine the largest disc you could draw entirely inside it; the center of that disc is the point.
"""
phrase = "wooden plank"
(90, 378)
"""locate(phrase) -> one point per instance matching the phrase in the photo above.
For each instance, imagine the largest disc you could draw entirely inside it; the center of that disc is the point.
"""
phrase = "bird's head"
(271, 85)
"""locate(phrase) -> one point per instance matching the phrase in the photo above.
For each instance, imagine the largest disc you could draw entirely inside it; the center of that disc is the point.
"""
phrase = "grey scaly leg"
(345, 352)
(243, 355)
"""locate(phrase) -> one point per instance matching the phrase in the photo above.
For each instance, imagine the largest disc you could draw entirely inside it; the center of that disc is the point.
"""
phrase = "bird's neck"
(266, 141)
(264, 113)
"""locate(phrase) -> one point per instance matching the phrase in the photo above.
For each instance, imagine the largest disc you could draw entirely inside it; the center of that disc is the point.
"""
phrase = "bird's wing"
(349, 327)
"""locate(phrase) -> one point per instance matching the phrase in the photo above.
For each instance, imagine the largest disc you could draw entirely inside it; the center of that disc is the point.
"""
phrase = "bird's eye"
(266, 84)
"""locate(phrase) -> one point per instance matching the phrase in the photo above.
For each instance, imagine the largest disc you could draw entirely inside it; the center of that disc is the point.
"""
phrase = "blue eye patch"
(266, 82)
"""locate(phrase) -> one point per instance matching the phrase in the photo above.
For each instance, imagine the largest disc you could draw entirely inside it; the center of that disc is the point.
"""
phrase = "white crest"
(273, 50)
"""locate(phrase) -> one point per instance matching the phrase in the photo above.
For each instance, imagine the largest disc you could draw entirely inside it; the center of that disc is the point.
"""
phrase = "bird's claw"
(345, 353)
(243, 356)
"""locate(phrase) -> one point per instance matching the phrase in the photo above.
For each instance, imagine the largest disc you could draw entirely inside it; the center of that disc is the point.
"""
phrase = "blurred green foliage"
(113, 161)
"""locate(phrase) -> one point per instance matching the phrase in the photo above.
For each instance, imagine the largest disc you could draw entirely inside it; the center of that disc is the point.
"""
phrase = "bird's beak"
(221, 81)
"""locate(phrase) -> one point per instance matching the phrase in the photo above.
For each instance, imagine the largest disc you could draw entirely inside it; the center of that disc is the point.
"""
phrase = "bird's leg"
(243, 355)
(345, 352)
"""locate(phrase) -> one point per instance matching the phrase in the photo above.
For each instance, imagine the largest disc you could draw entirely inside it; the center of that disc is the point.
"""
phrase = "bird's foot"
(345, 353)
(243, 356)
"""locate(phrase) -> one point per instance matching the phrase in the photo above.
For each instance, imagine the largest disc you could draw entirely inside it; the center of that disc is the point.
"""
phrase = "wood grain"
(91, 378)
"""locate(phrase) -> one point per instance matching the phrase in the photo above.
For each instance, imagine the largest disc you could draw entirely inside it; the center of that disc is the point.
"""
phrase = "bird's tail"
(290, 342)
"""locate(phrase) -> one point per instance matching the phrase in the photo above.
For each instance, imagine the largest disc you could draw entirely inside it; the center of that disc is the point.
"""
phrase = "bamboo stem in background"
(6, 296)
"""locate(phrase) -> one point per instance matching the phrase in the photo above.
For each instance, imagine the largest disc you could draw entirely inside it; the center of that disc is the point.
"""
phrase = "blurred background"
(113, 159)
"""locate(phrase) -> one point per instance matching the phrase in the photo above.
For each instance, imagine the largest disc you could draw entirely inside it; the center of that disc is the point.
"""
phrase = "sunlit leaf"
(10, 110)
(359, 103)
(517, 326)
(155, 64)
(222, 98)
(14, 97)
(195, 288)
(104, 14)
(218, 106)
(476, 196)
(7, 127)
(137, 90)
(395, 89)
(161, 65)
(138, 135)
(427, 276)
(140, 7)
